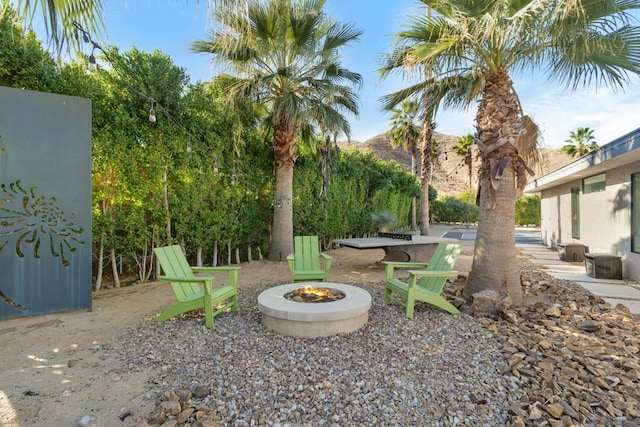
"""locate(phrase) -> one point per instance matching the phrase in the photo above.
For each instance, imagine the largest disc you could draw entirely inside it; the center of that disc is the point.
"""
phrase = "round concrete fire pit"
(310, 320)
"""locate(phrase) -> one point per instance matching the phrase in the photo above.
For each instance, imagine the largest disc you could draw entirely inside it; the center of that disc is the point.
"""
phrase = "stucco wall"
(605, 217)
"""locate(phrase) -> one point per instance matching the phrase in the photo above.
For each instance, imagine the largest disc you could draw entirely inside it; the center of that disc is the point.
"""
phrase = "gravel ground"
(437, 369)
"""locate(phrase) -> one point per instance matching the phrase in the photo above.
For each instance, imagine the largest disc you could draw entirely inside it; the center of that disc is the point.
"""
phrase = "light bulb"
(92, 63)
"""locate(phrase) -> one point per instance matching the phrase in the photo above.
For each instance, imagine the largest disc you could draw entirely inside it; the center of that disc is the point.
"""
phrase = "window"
(594, 183)
(575, 213)
(635, 212)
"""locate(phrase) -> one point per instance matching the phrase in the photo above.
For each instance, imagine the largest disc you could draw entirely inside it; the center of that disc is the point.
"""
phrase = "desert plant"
(384, 220)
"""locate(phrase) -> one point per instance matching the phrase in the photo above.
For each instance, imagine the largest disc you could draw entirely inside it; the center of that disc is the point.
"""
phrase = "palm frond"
(59, 17)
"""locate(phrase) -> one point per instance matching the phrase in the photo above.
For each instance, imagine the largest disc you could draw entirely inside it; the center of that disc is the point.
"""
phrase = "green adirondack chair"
(423, 285)
(195, 292)
(305, 263)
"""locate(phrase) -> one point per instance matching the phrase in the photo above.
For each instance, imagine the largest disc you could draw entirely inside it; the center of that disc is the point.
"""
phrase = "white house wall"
(605, 217)
(555, 226)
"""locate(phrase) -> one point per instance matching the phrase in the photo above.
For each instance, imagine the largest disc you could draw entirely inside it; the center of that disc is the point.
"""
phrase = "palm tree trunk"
(285, 158)
(282, 231)
(414, 218)
(498, 122)
(469, 161)
(425, 176)
(495, 243)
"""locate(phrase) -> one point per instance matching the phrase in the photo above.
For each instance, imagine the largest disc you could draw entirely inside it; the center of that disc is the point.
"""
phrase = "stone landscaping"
(566, 358)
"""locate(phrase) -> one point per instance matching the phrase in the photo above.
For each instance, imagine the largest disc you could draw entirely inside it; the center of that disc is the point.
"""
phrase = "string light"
(152, 112)
(93, 66)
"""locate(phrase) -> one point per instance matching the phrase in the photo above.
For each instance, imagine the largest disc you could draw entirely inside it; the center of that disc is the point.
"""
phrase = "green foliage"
(202, 174)
(23, 61)
(468, 196)
(528, 210)
(286, 57)
(404, 130)
(433, 194)
(361, 187)
(580, 142)
(453, 210)
(383, 220)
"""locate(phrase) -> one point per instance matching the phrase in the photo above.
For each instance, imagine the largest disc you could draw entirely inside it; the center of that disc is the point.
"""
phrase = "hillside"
(450, 174)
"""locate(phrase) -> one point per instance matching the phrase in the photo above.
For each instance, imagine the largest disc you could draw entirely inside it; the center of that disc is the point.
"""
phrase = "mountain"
(450, 174)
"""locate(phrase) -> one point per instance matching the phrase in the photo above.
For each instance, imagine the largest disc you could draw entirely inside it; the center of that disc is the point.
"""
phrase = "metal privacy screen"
(45, 203)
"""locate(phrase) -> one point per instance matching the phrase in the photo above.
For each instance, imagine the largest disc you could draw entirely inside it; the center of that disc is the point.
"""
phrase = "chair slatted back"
(174, 264)
(443, 259)
(307, 253)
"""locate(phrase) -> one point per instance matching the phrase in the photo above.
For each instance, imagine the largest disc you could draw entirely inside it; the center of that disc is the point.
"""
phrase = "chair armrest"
(327, 261)
(424, 273)
(291, 259)
(184, 279)
(225, 269)
(404, 264)
(389, 266)
(208, 281)
(414, 275)
(232, 272)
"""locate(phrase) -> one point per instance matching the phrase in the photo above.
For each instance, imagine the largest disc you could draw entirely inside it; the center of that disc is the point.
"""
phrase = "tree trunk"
(100, 262)
(469, 161)
(414, 218)
(414, 213)
(285, 157)
(199, 256)
(114, 268)
(165, 202)
(282, 231)
(498, 121)
(214, 260)
(494, 257)
(425, 176)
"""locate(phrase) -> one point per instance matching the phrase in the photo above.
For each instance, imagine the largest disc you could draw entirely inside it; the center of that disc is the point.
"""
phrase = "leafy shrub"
(384, 220)
(528, 210)
(452, 209)
(468, 196)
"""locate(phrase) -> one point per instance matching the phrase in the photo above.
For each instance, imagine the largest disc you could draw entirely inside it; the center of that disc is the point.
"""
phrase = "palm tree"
(580, 142)
(284, 56)
(464, 148)
(406, 133)
(455, 92)
(579, 43)
(59, 17)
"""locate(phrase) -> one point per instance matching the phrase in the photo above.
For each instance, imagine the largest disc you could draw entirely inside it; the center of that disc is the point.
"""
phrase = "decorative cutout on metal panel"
(34, 220)
(28, 219)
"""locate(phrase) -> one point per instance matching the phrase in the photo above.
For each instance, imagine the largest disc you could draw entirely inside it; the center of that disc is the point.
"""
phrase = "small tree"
(580, 142)
(463, 148)
(406, 132)
(285, 56)
(528, 210)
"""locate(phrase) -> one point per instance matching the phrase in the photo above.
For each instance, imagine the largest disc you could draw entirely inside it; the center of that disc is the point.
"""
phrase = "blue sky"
(169, 25)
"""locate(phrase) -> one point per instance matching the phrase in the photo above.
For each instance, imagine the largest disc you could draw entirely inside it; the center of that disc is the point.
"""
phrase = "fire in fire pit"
(312, 294)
